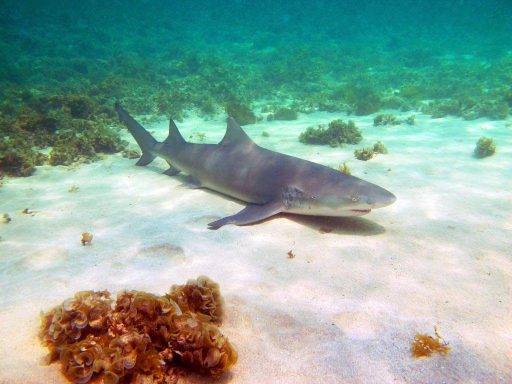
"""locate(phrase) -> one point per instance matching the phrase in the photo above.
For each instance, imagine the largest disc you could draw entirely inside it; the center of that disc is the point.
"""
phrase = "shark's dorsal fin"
(174, 135)
(235, 134)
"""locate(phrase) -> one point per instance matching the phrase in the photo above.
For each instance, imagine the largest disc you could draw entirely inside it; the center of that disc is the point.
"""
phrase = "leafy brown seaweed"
(141, 337)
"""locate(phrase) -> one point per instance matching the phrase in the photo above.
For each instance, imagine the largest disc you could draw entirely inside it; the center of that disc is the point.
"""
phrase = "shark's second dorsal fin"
(174, 135)
(235, 134)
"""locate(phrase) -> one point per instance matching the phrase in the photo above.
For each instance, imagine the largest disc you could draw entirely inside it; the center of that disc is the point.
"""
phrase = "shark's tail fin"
(146, 142)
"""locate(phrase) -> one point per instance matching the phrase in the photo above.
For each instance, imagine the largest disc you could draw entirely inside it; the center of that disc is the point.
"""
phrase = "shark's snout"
(382, 198)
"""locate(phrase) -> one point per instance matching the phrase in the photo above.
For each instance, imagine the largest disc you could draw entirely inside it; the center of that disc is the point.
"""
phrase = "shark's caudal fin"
(142, 137)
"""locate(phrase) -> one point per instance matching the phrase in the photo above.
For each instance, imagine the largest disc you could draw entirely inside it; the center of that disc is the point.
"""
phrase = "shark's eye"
(355, 199)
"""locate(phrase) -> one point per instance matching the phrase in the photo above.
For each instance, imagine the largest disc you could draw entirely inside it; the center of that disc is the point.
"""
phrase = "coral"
(343, 168)
(485, 147)
(425, 345)
(378, 147)
(385, 119)
(364, 154)
(86, 238)
(240, 112)
(336, 134)
(283, 114)
(141, 338)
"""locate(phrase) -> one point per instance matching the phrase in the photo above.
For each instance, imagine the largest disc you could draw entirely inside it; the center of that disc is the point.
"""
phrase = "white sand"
(344, 310)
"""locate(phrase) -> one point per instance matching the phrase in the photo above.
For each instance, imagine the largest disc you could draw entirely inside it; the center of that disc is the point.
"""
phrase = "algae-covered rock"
(485, 147)
(337, 133)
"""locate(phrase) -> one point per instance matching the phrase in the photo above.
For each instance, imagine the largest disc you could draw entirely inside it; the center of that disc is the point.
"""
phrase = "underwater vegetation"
(86, 238)
(425, 345)
(380, 148)
(139, 337)
(364, 154)
(283, 113)
(485, 147)
(240, 112)
(343, 168)
(386, 119)
(336, 134)
(61, 123)
(6, 219)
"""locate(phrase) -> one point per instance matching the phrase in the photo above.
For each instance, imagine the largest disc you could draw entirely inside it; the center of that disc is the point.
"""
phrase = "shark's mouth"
(361, 211)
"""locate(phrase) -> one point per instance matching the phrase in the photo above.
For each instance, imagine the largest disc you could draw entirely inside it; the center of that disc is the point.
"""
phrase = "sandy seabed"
(345, 309)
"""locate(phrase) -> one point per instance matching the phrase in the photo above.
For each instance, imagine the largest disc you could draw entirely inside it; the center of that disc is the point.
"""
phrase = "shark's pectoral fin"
(250, 214)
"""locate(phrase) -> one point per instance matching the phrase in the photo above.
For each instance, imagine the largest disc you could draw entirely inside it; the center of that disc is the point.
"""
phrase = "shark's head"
(346, 196)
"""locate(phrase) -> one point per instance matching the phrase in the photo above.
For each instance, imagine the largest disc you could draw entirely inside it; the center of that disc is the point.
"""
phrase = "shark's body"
(269, 181)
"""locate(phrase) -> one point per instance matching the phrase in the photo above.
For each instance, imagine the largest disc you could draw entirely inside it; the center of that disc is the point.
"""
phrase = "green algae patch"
(336, 134)
(485, 147)
(139, 337)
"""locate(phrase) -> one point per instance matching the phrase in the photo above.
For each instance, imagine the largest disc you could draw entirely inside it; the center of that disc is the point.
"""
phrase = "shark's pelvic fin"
(192, 182)
(235, 134)
(142, 137)
(174, 134)
(250, 214)
(172, 171)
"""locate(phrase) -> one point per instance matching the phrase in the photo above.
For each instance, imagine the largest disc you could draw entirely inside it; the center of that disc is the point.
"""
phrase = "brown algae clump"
(140, 337)
(86, 238)
(425, 345)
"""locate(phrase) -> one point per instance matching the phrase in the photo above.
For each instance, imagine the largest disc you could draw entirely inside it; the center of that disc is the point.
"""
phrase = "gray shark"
(270, 182)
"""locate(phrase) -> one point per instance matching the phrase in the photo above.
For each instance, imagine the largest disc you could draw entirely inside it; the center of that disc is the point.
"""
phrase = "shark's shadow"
(338, 225)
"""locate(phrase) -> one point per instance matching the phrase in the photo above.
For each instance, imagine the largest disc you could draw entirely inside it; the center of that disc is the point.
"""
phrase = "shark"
(269, 182)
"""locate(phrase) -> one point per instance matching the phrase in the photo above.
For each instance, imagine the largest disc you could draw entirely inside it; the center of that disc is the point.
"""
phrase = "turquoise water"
(307, 299)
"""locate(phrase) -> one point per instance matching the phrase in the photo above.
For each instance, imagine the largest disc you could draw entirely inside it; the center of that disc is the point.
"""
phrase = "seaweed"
(283, 114)
(343, 168)
(364, 154)
(410, 120)
(86, 238)
(378, 147)
(6, 219)
(240, 112)
(336, 134)
(424, 345)
(139, 337)
(485, 147)
(385, 119)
